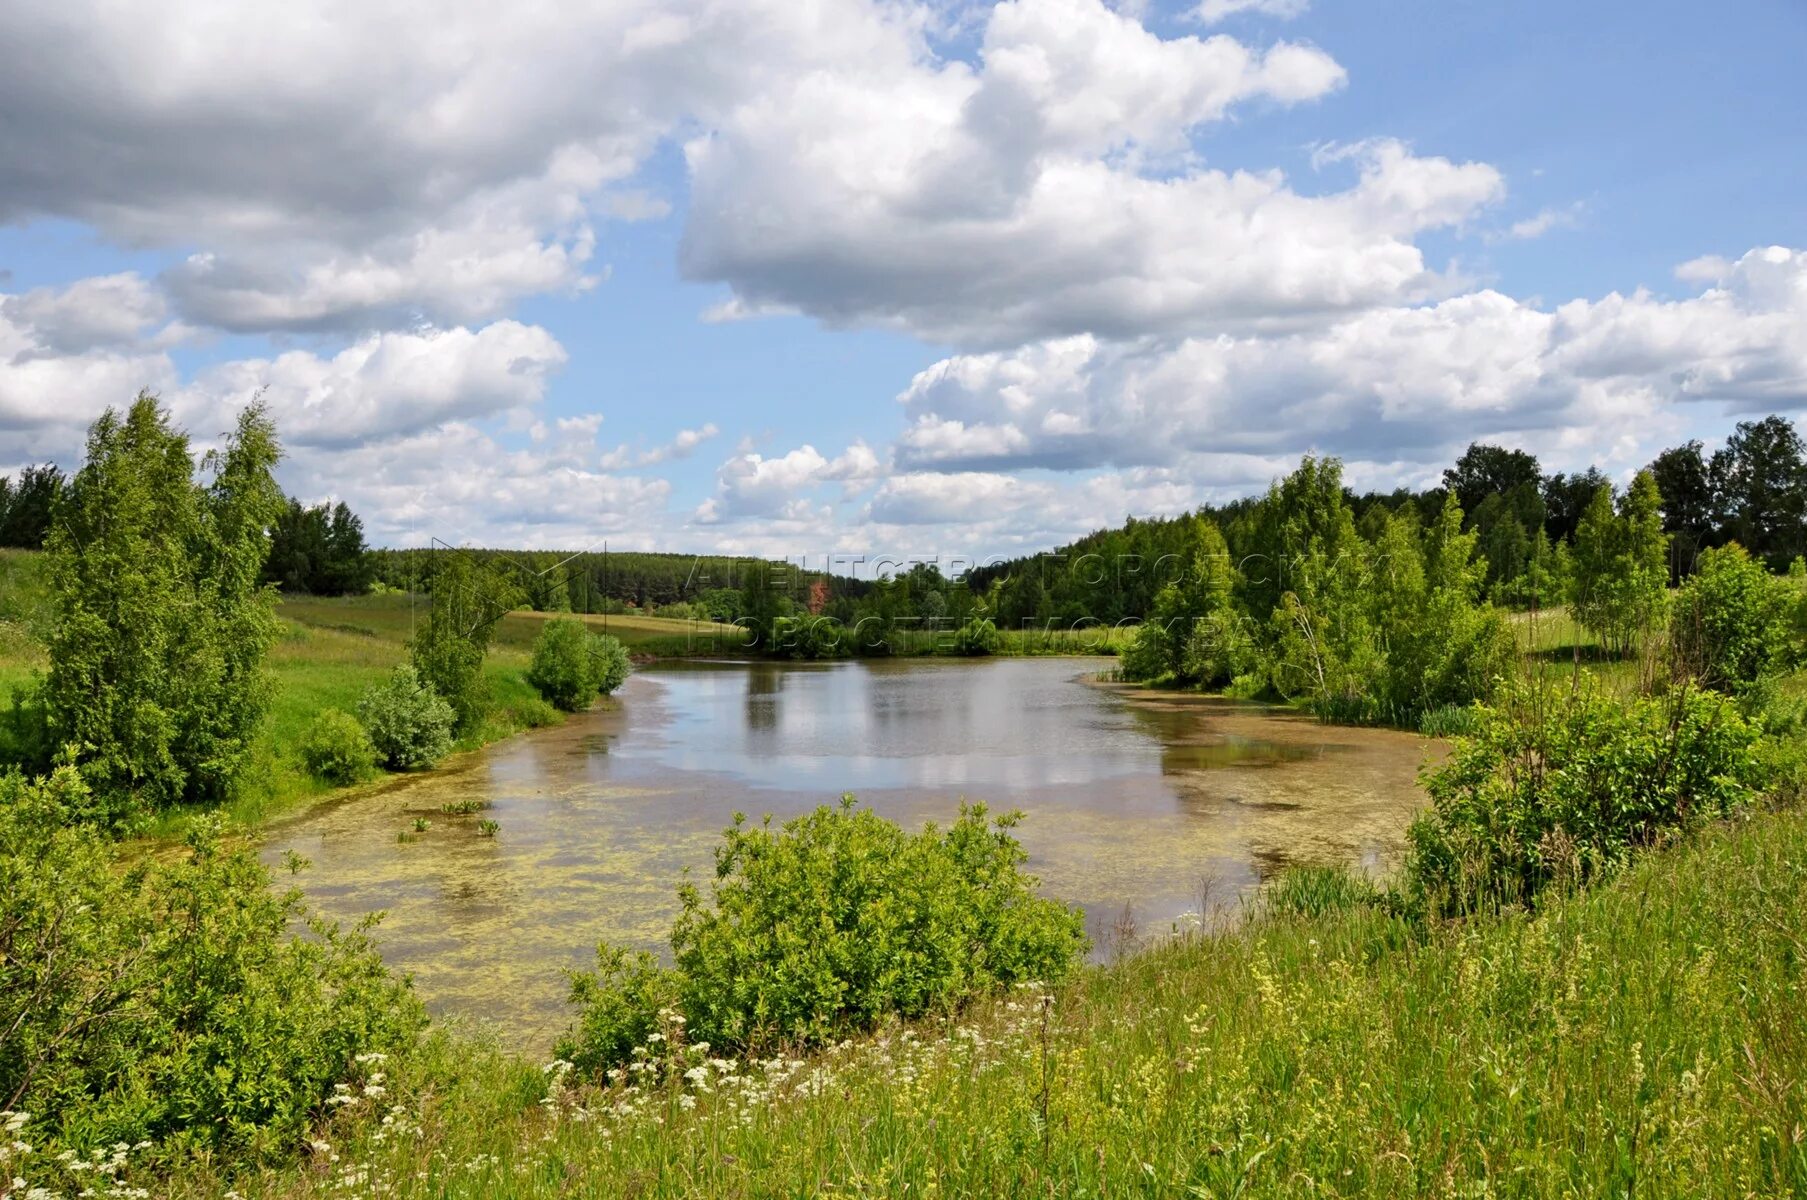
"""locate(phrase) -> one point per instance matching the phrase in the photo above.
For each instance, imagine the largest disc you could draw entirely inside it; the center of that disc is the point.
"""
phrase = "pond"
(1138, 806)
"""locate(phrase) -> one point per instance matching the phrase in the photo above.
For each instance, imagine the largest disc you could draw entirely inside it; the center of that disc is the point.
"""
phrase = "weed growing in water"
(463, 808)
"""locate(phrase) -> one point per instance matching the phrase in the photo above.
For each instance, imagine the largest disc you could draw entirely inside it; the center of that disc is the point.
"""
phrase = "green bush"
(337, 749)
(808, 637)
(1561, 788)
(562, 670)
(470, 596)
(821, 928)
(611, 660)
(572, 666)
(25, 741)
(978, 636)
(409, 724)
(532, 712)
(618, 1007)
(170, 1002)
(1730, 622)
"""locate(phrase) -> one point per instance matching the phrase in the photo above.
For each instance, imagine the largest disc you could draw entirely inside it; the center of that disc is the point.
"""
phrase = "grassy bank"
(328, 652)
(1648, 1037)
(331, 650)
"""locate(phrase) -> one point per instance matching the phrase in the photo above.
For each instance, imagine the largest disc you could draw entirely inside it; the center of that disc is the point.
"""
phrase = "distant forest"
(1752, 491)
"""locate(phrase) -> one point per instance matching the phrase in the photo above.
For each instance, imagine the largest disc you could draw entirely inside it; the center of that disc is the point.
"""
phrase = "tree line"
(317, 550)
(1752, 491)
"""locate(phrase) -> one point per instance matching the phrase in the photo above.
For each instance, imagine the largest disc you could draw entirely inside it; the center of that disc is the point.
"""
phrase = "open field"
(392, 618)
(1647, 1037)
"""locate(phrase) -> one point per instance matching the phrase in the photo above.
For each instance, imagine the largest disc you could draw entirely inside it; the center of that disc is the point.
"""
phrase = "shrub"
(1145, 657)
(25, 728)
(977, 636)
(1730, 623)
(170, 1002)
(1560, 789)
(408, 723)
(612, 665)
(808, 636)
(572, 666)
(337, 749)
(532, 712)
(618, 1007)
(828, 924)
(562, 670)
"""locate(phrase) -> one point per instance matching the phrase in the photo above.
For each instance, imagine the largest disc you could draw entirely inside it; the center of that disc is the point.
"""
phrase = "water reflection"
(1132, 800)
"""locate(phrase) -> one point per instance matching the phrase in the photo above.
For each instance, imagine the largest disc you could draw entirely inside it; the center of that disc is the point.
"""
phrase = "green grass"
(328, 652)
(333, 648)
(1648, 1037)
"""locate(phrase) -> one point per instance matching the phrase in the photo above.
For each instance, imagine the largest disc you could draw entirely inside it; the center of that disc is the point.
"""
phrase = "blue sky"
(1144, 257)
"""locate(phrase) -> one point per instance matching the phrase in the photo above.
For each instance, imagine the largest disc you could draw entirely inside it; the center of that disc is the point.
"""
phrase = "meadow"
(1646, 1037)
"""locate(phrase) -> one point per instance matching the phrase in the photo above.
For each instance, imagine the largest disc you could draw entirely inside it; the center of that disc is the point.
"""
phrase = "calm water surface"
(1134, 802)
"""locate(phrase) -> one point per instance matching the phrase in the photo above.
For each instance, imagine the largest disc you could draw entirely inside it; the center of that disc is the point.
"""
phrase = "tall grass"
(1648, 1037)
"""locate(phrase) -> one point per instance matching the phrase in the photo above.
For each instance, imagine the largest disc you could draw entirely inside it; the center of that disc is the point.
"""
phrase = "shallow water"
(1135, 802)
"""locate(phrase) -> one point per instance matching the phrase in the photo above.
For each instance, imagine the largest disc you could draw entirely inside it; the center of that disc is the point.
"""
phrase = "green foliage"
(838, 919)
(1190, 635)
(170, 1002)
(619, 1006)
(1312, 891)
(28, 505)
(1558, 789)
(1760, 488)
(805, 636)
(337, 748)
(979, 636)
(533, 712)
(1444, 647)
(610, 660)
(719, 604)
(1731, 621)
(571, 665)
(408, 722)
(160, 629)
(1621, 566)
(469, 598)
(1449, 720)
(562, 670)
(319, 551)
